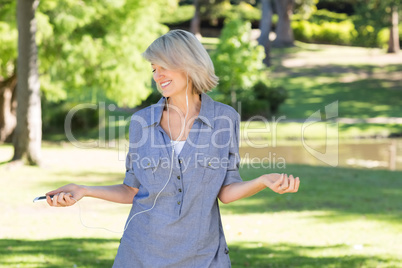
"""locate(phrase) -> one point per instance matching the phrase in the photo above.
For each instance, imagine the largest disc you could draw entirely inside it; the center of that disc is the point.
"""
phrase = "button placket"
(180, 186)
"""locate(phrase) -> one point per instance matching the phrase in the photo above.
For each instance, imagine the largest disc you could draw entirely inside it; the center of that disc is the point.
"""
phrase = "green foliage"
(342, 33)
(324, 15)
(91, 50)
(179, 15)
(214, 10)
(99, 48)
(243, 11)
(383, 36)
(237, 60)
(325, 27)
(212, 13)
(8, 39)
(264, 99)
(305, 8)
(370, 18)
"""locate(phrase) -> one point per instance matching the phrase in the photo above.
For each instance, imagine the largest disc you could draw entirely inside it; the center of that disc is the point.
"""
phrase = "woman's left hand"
(282, 183)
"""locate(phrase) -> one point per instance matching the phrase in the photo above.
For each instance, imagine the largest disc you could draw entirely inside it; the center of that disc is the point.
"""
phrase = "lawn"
(366, 82)
(340, 217)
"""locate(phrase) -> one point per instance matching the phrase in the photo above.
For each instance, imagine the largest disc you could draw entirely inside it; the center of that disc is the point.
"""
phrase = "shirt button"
(226, 251)
(178, 202)
(180, 161)
(209, 163)
(178, 177)
(180, 190)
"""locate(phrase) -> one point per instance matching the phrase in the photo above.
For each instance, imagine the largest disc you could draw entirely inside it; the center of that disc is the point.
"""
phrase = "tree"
(196, 20)
(237, 60)
(265, 28)
(28, 133)
(393, 44)
(208, 10)
(8, 105)
(8, 77)
(284, 33)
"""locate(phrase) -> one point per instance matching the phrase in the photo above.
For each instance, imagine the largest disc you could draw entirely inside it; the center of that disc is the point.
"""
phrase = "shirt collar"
(206, 115)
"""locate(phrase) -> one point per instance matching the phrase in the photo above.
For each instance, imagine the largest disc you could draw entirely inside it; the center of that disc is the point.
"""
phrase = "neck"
(179, 103)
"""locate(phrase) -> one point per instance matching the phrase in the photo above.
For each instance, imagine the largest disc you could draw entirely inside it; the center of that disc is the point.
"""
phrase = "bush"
(304, 30)
(214, 15)
(324, 15)
(54, 114)
(325, 27)
(180, 15)
(244, 11)
(264, 99)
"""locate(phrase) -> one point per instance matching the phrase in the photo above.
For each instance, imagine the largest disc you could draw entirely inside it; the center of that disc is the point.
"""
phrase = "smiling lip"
(165, 84)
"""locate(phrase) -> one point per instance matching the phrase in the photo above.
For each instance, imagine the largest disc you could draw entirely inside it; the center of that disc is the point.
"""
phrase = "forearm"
(119, 193)
(239, 190)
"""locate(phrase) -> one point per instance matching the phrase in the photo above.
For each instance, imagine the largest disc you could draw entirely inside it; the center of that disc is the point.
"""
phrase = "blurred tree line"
(90, 51)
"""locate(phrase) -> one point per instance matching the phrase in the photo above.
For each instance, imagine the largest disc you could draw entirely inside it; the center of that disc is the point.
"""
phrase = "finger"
(69, 199)
(297, 184)
(285, 183)
(49, 200)
(282, 186)
(54, 201)
(57, 191)
(291, 184)
(274, 186)
(60, 199)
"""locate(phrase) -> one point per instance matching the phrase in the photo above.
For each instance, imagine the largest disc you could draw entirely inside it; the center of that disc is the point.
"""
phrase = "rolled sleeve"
(131, 180)
(232, 173)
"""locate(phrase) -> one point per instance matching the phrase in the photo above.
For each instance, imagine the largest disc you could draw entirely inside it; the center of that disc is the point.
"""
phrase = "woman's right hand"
(66, 195)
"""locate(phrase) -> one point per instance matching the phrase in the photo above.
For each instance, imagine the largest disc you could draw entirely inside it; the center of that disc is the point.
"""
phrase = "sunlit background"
(319, 93)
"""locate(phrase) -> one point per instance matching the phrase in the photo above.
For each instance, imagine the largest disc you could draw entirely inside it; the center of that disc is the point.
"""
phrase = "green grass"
(341, 217)
(364, 81)
(363, 98)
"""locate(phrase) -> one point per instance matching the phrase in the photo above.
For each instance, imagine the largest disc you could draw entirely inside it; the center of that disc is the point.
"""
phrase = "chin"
(165, 94)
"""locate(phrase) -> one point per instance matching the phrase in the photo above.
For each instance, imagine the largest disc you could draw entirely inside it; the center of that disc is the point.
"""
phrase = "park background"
(348, 211)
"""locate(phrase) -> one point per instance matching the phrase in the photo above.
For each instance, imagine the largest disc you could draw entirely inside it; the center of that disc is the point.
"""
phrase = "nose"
(158, 74)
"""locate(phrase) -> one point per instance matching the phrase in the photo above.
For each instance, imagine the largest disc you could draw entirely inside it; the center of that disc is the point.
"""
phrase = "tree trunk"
(393, 43)
(196, 20)
(28, 133)
(8, 105)
(265, 28)
(284, 33)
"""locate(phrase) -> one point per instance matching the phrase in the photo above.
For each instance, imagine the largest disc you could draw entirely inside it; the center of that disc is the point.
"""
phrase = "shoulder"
(225, 110)
(218, 110)
(221, 108)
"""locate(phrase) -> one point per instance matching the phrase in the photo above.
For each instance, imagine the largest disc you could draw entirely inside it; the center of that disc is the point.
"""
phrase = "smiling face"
(170, 82)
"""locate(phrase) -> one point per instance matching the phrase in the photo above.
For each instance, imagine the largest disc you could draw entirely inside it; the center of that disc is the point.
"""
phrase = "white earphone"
(170, 173)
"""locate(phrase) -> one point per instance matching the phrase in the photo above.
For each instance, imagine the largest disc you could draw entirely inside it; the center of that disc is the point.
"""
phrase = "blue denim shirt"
(184, 227)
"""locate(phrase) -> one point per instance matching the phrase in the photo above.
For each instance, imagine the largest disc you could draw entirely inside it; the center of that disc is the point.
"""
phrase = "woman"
(183, 155)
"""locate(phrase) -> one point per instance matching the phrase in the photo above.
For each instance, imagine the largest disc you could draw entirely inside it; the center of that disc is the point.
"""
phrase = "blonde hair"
(181, 50)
